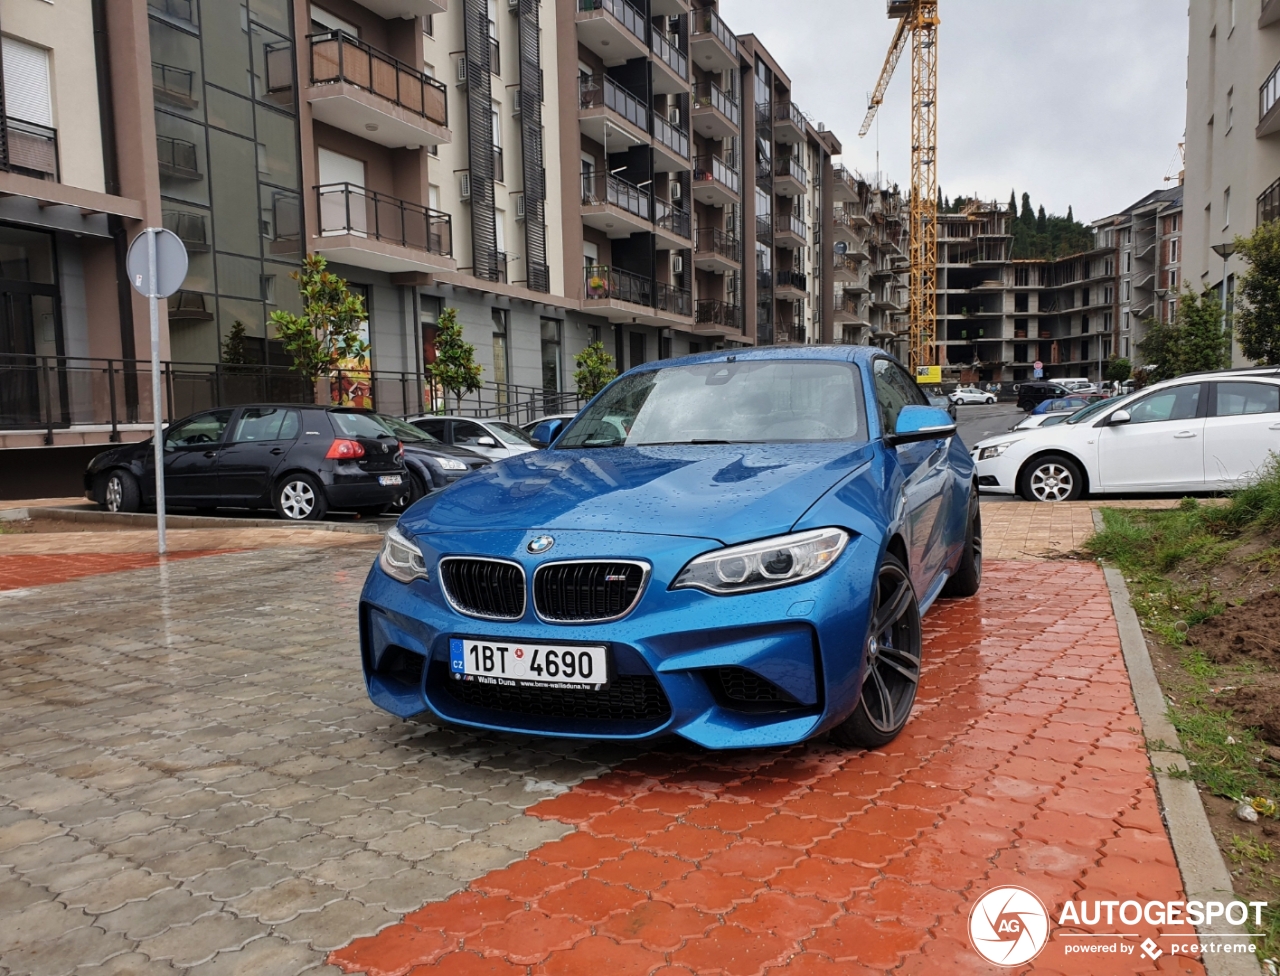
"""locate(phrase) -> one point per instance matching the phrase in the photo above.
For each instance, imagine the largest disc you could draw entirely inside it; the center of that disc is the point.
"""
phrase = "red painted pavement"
(1022, 765)
(22, 570)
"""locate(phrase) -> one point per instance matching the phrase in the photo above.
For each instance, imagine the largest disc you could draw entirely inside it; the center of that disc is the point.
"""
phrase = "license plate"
(388, 479)
(493, 661)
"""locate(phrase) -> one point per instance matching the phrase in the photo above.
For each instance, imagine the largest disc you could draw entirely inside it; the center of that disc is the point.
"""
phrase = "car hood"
(1008, 438)
(730, 492)
(443, 450)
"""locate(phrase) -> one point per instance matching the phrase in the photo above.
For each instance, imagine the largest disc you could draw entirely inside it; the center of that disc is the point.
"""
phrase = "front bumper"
(679, 658)
(997, 475)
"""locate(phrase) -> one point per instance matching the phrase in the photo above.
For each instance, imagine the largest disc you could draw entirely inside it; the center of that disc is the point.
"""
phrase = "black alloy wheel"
(892, 650)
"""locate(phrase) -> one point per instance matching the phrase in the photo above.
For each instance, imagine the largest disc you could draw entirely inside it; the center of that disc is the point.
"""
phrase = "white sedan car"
(970, 394)
(1201, 432)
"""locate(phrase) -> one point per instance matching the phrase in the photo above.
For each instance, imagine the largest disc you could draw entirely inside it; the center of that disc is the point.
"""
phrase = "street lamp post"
(1224, 251)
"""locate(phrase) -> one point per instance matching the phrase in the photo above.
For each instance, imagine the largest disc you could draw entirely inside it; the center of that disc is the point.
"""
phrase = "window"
(637, 350)
(1173, 252)
(322, 20)
(500, 347)
(1126, 321)
(1237, 399)
(1179, 403)
(551, 330)
(1128, 289)
(1128, 262)
(203, 429)
(1226, 208)
(894, 390)
(494, 65)
(467, 434)
(266, 424)
(429, 25)
(1173, 310)
(1231, 109)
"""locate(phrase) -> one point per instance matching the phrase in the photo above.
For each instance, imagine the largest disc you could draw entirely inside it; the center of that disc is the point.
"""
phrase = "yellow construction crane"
(919, 20)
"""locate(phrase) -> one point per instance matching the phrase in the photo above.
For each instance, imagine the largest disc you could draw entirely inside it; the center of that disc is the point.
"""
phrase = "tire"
(989, 400)
(968, 575)
(415, 491)
(120, 492)
(892, 647)
(298, 497)
(1051, 478)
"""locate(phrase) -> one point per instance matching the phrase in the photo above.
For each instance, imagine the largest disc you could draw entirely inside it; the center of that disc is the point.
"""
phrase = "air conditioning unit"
(519, 197)
(466, 186)
(513, 6)
(677, 191)
(462, 70)
(677, 264)
(516, 107)
(674, 117)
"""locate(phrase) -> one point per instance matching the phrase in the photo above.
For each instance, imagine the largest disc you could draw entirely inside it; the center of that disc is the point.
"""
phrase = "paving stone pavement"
(192, 778)
(1023, 764)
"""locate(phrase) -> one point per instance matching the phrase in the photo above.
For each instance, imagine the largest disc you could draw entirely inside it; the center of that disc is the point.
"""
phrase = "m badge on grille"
(540, 544)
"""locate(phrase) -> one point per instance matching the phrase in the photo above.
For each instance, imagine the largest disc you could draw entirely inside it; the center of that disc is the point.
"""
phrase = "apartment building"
(559, 171)
(1233, 133)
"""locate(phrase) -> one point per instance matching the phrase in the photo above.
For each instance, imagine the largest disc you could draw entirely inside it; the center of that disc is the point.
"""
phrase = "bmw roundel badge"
(540, 544)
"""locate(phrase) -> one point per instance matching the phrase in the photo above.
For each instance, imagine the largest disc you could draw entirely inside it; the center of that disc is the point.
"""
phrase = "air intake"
(489, 588)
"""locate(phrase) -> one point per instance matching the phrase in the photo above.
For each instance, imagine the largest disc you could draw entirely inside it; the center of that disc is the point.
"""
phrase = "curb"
(1205, 876)
(142, 520)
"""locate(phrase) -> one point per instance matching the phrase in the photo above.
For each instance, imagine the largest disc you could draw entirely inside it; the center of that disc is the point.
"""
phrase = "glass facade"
(230, 179)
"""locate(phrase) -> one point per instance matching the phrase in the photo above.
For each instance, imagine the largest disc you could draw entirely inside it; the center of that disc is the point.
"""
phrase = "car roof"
(831, 353)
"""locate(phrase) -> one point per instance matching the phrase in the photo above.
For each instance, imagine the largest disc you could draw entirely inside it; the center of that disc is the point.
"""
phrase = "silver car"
(495, 439)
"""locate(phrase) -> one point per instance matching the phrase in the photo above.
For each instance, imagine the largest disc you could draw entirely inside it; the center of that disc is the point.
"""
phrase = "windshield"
(357, 424)
(726, 403)
(406, 432)
(509, 434)
(1092, 410)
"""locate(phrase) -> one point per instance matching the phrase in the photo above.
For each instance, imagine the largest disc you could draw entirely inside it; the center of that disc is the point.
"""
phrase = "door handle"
(1185, 433)
(277, 450)
(210, 454)
(1274, 427)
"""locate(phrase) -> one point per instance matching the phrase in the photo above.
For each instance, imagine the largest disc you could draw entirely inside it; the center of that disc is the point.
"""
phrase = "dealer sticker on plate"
(493, 661)
(388, 479)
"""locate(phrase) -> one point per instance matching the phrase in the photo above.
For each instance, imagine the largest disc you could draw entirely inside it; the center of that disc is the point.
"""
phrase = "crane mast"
(918, 20)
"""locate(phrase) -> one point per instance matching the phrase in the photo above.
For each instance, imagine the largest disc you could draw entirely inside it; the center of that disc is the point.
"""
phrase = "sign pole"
(153, 299)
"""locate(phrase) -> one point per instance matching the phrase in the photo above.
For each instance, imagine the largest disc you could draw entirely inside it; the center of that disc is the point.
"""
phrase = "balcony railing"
(174, 85)
(600, 90)
(846, 178)
(349, 209)
(708, 168)
(713, 240)
(627, 15)
(1269, 203)
(677, 140)
(183, 10)
(706, 22)
(844, 219)
(672, 219)
(604, 282)
(707, 94)
(599, 189)
(669, 298)
(671, 55)
(713, 311)
(177, 157)
(338, 57)
(790, 224)
(791, 279)
(1269, 92)
(790, 166)
(764, 227)
(191, 228)
(789, 111)
(33, 149)
(846, 263)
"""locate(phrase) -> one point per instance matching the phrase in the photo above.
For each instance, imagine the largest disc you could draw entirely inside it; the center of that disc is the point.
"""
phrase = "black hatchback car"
(1031, 395)
(299, 459)
(431, 464)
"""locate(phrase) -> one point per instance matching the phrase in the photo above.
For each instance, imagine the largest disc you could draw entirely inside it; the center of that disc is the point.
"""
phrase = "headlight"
(401, 559)
(449, 464)
(994, 450)
(763, 565)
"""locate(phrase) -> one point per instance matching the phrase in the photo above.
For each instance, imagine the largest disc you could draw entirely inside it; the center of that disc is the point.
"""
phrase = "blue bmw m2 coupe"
(734, 547)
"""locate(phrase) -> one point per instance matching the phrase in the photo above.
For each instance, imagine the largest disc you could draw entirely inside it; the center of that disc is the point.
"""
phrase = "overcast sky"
(1077, 102)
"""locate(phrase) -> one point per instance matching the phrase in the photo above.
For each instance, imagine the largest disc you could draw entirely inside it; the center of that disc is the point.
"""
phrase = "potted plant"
(597, 283)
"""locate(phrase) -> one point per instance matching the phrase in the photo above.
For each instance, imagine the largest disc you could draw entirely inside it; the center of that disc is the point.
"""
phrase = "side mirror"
(917, 423)
(486, 442)
(545, 434)
(1119, 417)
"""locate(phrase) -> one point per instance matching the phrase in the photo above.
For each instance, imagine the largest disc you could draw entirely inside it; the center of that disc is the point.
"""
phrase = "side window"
(1237, 399)
(1179, 403)
(467, 434)
(266, 424)
(894, 390)
(202, 429)
(433, 427)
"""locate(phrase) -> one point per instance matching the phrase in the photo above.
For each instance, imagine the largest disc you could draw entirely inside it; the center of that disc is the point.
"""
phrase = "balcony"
(668, 8)
(844, 185)
(849, 310)
(789, 230)
(178, 158)
(790, 284)
(191, 228)
(846, 269)
(173, 86)
(715, 182)
(715, 114)
(789, 177)
(788, 122)
(717, 250)
(846, 229)
(623, 296)
(361, 90)
(671, 70)
(672, 226)
(604, 104)
(671, 147)
(188, 306)
(764, 228)
(614, 206)
(1270, 13)
(715, 317)
(371, 230)
(405, 9)
(711, 44)
(33, 149)
(613, 29)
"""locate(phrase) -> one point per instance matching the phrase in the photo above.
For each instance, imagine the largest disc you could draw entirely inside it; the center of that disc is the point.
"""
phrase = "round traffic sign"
(1037, 364)
(171, 263)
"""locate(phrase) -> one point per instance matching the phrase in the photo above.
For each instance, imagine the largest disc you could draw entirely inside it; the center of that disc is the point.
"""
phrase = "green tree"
(455, 368)
(595, 369)
(1028, 216)
(1118, 370)
(1013, 203)
(1257, 314)
(327, 335)
(1042, 221)
(235, 350)
(1195, 341)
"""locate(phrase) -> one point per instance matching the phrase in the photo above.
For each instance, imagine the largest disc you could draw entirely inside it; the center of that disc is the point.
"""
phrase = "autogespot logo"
(1009, 926)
